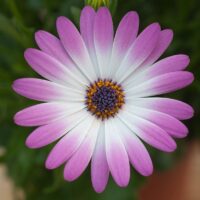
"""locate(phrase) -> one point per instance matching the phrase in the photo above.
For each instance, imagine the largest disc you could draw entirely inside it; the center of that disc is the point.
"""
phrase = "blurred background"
(22, 172)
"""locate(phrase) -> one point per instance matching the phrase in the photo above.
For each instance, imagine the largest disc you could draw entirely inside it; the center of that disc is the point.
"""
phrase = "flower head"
(99, 96)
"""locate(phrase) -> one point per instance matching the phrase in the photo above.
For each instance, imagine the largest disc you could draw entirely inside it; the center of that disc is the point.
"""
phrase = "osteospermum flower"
(99, 96)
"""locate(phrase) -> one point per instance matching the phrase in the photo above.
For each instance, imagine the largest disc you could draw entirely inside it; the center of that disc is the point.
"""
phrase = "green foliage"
(18, 22)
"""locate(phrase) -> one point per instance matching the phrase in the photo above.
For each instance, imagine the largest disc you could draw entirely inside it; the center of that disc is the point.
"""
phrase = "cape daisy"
(99, 96)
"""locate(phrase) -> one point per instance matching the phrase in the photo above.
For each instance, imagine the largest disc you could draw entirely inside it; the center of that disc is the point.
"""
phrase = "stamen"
(104, 98)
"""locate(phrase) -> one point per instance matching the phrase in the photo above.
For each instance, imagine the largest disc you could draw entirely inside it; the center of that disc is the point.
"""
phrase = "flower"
(99, 96)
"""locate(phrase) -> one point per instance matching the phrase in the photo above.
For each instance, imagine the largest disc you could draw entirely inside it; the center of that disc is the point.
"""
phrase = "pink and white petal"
(126, 33)
(149, 132)
(42, 90)
(166, 65)
(45, 113)
(116, 154)
(81, 158)
(103, 39)
(53, 47)
(50, 68)
(164, 40)
(138, 52)
(172, 107)
(125, 36)
(87, 19)
(65, 148)
(99, 165)
(86, 26)
(170, 124)
(138, 155)
(161, 84)
(170, 64)
(40, 114)
(47, 134)
(75, 47)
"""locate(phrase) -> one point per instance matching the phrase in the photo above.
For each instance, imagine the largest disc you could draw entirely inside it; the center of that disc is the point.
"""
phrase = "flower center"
(104, 98)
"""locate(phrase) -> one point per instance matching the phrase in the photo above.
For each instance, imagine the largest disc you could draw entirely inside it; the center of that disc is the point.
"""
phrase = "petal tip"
(29, 143)
(32, 143)
(169, 32)
(69, 177)
(16, 119)
(39, 34)
(192, 112)
(171, 148)
(123, 184)
(99, 189)
(122, 181)
(190, 77)
(148, 172)
(185, 59)
(155, 26)
(16, 85)
(103, 9)
(185, 132)
(133, 14)
(88, 8)
(60, 21)
(13, 86)
(49, 165)
(29, 52)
